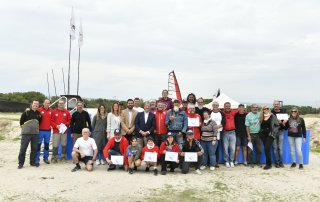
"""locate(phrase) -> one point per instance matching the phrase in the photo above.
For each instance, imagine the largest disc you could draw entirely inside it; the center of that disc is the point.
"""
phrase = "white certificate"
(117, 160)
(250, 145)
(150, 157)
(283, 117)
(193, 122)
(171, 156)
(62, 128)
(190, 157)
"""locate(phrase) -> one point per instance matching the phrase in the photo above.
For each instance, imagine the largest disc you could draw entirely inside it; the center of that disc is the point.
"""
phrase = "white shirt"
(86, 146)
(146, 114)
(217, 117)
(130, 117)
(138, 109)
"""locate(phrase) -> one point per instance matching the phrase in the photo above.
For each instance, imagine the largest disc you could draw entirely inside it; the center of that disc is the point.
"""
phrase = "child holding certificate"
(150, 155)
(133, 154)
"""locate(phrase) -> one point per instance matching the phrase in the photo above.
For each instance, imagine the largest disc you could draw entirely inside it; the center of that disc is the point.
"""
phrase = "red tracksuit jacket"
(161, 127)
(45, 118)
(123, 148)
(196, 130)
(58, 117)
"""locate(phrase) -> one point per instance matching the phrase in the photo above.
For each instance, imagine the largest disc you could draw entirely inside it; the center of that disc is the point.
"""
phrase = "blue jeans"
(278, 146)
(296, 146)
(229, 142)
(179, 140)
(44, 135)
(209, 151)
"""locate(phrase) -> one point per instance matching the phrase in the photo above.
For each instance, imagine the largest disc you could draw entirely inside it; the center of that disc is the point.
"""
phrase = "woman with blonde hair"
(296, 130)
(113, 120)
(99, 125)
(269, 129)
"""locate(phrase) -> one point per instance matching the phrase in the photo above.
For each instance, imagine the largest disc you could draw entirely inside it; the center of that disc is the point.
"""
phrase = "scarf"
(150, 147)
(117, 140)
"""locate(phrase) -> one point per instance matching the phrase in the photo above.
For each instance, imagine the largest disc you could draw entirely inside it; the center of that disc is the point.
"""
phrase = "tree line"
(28, 97)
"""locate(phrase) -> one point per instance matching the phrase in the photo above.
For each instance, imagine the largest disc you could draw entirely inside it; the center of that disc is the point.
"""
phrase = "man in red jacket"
(194, 121)
(161, 128)
(60, 119)
(44, 131)
(229, 134)
(117, 146)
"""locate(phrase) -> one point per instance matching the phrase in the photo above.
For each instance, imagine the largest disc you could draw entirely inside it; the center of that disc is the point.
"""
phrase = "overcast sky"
(254, 51)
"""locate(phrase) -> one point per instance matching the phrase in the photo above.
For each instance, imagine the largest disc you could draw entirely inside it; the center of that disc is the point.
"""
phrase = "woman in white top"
(113, 120)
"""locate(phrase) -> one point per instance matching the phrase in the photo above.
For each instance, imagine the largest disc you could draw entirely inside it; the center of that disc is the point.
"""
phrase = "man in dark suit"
(145, 124)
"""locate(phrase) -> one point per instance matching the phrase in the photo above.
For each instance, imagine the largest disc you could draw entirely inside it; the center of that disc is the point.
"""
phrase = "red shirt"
(230, 123)
(123, 148)
(145, 149)
(195, 129)
(45, 118)
(161, 127)
(163, 147)
(58, 117)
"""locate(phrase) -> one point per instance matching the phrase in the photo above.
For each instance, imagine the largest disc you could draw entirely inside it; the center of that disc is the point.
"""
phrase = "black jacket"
(80, 121)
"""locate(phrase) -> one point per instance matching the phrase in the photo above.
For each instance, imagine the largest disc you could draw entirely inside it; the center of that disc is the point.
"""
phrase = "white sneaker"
(227, 165)
(202, 167)
(212, 168)
(103, 162)
(245, 163)
(235, 162)
(231, 164)
(97, 162)
(198, 172)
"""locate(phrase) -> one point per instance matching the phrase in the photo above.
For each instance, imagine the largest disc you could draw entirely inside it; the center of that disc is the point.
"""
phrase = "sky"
(254, 51)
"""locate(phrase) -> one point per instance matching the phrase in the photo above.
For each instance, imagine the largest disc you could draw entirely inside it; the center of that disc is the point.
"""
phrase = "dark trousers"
(164, 163)
(25, 140)
(267, 141)
(185, 166)
(158, 139)
(217, 153)
(257, 144)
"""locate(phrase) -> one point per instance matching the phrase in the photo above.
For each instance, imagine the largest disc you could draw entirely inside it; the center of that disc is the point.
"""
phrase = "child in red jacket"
(150, 147)
(168, 146)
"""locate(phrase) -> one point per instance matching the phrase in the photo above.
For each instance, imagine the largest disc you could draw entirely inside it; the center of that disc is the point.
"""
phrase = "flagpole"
(78, 72)
(69, 67)
(48, 85)
(64, 83)
(54, 83)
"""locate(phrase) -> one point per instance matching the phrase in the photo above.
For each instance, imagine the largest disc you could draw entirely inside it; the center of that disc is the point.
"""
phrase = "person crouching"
(150, 147)
(168, 146)
(85, 150)
(133, 154)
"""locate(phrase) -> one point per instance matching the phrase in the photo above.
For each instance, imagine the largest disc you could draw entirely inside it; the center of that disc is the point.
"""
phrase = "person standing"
(128, 118)
(253, 133)
(278, 141)
(80, 120)
(208, 141)
(191, 98)
(229, 135)
(166, 100)
(99, 125)
(194, 121)
(177, 122)
(200, 109)
(113, 120)
(297, 133)
(29, 123)
(60, 118)
(269, 129)
(85, 150)
(145, 125)
(153, 106)
(241, 133)
(45, 131)
(217, 116)
(161, 128)
(136, 105)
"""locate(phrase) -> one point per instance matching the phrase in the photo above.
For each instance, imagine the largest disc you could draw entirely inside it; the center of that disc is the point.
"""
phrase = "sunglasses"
(293, 111)
(266, 108)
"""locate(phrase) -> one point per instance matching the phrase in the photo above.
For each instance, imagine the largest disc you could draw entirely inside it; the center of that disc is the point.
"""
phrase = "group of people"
(164, 133)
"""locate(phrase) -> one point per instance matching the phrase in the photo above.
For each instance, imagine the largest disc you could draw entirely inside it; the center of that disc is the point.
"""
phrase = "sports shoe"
(103, 162)
(155, 172)
(227, 165)
(46, 161)
(198, 172)
(130, 171)
(112, 167)
(281, 165)
(245, 163)
(293, 165)
(267, 167)
(212, 168)
(147, 169)
(76, 169)
(98, 162)
(231, 165)
(35, 164)
(20, 166)
(300, 166)
(163, 172)
(202, 167)
(235, 162)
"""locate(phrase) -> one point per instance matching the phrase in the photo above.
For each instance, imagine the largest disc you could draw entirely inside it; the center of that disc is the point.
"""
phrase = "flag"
(72, 26)
(80, 39)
